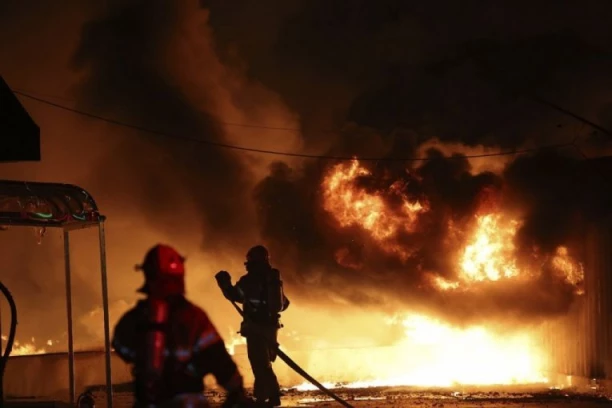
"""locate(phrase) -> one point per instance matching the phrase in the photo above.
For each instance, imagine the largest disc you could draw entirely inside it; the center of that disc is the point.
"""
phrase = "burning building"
(475, 267)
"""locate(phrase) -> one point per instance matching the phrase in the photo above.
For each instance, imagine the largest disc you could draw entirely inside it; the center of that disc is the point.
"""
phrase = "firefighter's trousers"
(261, 350)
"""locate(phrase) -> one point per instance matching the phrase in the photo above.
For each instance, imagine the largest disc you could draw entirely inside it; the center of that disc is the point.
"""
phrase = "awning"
(46, 205)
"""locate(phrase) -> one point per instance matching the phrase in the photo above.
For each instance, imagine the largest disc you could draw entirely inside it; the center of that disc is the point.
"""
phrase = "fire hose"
(11, 338)
(299, 369)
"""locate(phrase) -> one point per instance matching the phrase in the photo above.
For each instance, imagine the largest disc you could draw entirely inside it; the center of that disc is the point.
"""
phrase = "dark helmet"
(164, 266)
(258, 255)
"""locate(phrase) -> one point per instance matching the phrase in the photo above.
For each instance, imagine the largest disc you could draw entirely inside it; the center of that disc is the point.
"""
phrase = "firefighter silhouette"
(261, 293)
(171, 343)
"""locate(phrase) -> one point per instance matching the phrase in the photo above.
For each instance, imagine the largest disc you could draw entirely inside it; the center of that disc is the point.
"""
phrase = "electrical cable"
(280, 153)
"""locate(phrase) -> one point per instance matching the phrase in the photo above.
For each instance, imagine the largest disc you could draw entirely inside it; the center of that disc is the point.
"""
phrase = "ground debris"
(404, 397)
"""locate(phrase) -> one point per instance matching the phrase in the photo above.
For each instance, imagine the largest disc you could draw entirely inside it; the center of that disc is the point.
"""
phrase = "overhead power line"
(25, 92)
(568, 113)
(275, 152)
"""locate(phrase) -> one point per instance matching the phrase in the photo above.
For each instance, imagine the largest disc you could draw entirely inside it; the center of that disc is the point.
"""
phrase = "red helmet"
(164, 269)
(258, 255)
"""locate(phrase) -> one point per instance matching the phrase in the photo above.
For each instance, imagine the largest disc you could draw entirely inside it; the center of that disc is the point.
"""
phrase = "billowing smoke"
(376, 79)
(326, 259)
(155, 64)
(151, 65)
(467, 93)
(133, 72)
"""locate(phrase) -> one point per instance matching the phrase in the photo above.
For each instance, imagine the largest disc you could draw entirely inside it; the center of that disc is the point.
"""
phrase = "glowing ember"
(436, 354)
(490, 253)
(24, 349)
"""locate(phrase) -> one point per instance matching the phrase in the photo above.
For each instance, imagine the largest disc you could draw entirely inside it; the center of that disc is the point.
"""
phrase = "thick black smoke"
(556, 196)
(366, 78)
(120, 59)
(124, 54)
(400, 85)
(421, 71)
(394, 63)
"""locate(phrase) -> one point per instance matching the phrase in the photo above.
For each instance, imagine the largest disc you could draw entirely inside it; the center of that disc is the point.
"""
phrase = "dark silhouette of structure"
(19, 135)
(47, 205)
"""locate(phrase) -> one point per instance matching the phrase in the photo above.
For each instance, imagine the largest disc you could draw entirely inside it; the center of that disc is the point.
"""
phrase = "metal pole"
(107, 342)
(69, 312)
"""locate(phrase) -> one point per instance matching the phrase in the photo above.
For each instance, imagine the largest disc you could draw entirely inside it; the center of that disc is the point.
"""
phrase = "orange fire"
(434, 352)
(24, 349)
(355, 206)
(234, 339)
(566, 266)
(490, 253)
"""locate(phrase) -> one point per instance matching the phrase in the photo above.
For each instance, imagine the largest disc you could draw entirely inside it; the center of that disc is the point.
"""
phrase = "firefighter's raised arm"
(231, 292)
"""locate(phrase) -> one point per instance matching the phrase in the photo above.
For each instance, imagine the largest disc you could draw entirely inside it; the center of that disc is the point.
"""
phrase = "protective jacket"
(261, 294)
(172, 345)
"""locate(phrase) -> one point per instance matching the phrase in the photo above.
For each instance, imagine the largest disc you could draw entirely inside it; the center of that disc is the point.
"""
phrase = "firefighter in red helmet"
(261, 293)
(171, 343)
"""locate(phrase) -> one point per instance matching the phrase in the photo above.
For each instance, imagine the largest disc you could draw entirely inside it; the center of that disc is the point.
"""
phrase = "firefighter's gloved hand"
(223, 279)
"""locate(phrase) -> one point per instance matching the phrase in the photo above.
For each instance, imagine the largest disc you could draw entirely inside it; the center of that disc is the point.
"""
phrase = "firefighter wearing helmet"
(171, 343)
(261, 293)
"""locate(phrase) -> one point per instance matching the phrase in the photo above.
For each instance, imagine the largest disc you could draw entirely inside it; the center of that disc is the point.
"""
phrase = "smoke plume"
(151, 65)
(465, 88)
(379, 79)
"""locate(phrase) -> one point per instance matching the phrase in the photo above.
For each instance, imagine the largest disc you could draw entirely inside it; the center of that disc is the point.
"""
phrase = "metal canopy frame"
(69, 208)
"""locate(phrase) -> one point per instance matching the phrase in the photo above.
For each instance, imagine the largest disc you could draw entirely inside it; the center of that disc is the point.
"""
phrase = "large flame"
(352, 205)
(490, 253)
(355, 206)
(26, 349)
(435, 353)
